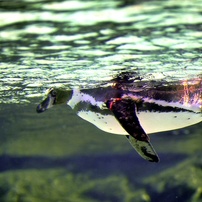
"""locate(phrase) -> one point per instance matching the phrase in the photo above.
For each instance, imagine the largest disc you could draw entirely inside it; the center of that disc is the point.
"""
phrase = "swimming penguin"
(134, 112)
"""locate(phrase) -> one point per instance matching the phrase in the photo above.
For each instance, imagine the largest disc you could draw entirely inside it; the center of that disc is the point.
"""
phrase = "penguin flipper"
(124, 109)
(144, 149)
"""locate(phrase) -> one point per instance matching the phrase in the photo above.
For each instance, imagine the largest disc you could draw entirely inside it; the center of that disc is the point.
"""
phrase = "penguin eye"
(53, 93)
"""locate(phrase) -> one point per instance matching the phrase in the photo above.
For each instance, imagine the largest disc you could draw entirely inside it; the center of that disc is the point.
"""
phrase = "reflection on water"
(86, 44)
(67, 43)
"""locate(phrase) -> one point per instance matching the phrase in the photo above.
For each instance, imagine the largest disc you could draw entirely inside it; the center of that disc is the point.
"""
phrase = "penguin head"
(49, 101)
(53, 96)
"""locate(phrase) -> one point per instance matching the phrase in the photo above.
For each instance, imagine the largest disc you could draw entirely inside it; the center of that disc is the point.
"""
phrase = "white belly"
(151, 122)
(107, 123)
(156, 122)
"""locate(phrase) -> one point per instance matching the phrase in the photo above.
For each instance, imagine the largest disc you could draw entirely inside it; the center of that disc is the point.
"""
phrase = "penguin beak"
(48, 102)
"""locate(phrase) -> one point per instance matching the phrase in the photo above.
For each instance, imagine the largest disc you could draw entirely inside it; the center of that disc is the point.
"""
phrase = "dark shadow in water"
(133, 167)
(96, 166)
(176, 193)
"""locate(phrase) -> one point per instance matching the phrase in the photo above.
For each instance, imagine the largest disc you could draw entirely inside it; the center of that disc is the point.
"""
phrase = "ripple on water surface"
(85, 44)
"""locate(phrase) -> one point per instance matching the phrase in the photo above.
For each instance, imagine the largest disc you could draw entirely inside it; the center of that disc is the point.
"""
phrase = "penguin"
(134, 111)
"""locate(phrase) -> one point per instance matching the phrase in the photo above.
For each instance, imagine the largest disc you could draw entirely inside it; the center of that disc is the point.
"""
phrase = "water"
(86, 44)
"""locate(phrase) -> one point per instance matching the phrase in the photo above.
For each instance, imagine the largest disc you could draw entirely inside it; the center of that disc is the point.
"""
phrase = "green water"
(56, 156)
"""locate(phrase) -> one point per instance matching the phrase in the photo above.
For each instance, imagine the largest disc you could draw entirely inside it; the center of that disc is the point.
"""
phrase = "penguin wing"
(124, 109)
